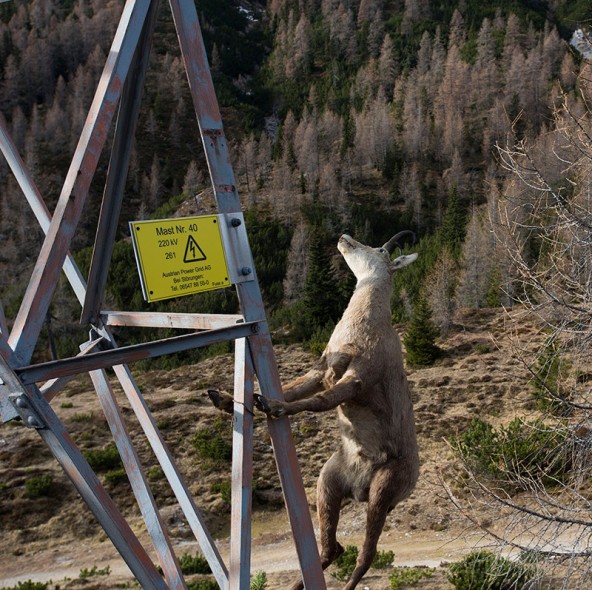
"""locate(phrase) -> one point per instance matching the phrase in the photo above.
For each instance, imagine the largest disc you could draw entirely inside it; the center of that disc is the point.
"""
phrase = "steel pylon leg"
(254, 356)
(261, 349)
(37, 413)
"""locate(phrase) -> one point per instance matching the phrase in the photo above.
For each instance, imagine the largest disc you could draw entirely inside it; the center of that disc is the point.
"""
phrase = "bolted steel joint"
(245, 271)
(27, 413)
(235, 222)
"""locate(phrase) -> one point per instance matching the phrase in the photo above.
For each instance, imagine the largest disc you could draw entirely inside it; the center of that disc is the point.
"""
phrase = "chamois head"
(366, 262)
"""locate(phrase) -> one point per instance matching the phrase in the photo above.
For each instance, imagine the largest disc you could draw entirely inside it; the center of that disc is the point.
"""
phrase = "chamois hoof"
(261, 403)
(272, 408)
(222, 401)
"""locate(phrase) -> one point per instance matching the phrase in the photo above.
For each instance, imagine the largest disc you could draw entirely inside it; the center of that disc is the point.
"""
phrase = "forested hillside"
(366, 116)
(468, 122)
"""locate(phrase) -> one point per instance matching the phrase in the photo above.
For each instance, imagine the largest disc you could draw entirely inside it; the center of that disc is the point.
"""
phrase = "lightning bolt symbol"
(193, 252)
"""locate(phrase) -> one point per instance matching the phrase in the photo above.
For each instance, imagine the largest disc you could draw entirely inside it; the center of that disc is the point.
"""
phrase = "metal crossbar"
(23, 395)
(128, 354)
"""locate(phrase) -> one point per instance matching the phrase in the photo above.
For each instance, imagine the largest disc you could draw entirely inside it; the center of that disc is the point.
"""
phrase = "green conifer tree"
(420, 338)
(322, 298)
(550, 373)
(453, 228)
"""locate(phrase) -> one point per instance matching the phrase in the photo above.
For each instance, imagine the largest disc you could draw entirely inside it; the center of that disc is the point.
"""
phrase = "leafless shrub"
(544, 225)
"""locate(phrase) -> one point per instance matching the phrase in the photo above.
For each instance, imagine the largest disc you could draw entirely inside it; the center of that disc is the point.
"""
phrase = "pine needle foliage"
(420, 337)
(483, 570)
(517, 456)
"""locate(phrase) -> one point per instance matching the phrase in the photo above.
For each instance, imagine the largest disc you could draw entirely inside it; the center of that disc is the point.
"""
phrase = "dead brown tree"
(544, 226)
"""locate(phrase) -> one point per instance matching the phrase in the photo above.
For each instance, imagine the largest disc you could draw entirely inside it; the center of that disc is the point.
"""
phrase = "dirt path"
(272, 552)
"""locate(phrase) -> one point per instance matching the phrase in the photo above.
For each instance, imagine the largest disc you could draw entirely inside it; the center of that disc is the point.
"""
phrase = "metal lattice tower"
(26, 389)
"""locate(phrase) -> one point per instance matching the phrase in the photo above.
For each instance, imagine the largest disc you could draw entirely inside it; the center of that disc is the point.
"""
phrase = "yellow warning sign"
(179, 256)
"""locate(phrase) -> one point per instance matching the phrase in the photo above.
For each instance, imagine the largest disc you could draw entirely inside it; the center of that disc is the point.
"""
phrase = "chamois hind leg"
(389, 486)
(330, 493)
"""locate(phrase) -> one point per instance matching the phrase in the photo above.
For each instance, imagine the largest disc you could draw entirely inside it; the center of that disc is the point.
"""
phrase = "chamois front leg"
(305, 385)
(301, 387)
(345, 389)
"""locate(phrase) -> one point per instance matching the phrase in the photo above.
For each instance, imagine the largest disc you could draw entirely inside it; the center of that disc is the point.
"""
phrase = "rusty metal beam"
(36, 202)
(184, 321)
(242, 469)
(287, 465)
(249, 294)
(178, 486)
(125, 129)
(131, 461)
(37, 413)
(35, 304)
(127, 354)
(206, 105)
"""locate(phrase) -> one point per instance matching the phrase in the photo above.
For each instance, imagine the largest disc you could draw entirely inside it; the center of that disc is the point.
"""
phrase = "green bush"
(259, 581)
(83, 417)
(346, 562)
(477, 446)
(155, 473)
(94, 571)
(409, 576)
(105, 459)
(38, 486)
(28, 585)
(163, 424)
(194, 564)
(224, 488)
(483, 570)
(516, 454)
(482, 348)
(116, 476)
(213, 442)
(383, 560)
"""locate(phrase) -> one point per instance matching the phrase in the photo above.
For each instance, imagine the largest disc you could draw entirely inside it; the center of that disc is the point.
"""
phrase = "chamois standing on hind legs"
(360, 373)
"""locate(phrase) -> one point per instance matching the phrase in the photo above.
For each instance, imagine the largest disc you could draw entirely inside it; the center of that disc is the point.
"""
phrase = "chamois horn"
(394, 241)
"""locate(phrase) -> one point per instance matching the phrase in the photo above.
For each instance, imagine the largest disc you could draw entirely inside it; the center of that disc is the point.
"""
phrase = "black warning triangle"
(193, 253)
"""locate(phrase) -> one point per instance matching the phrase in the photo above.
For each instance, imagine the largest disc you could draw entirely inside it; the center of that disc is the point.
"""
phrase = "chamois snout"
(364, 261)
(346, 243)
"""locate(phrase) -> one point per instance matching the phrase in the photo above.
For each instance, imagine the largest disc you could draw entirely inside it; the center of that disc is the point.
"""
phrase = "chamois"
(360, 373)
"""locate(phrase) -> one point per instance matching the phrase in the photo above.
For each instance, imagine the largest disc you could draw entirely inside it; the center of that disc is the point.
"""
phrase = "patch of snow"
(248, 13)
(582, 42)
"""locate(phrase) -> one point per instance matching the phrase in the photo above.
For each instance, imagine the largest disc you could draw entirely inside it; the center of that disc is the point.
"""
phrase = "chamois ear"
(402, 261)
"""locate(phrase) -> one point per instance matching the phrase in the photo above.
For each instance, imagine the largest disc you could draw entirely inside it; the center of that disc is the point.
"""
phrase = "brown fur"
(361, 373)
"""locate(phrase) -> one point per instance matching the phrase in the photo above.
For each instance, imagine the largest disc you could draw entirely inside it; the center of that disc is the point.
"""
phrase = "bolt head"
(33, 422)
